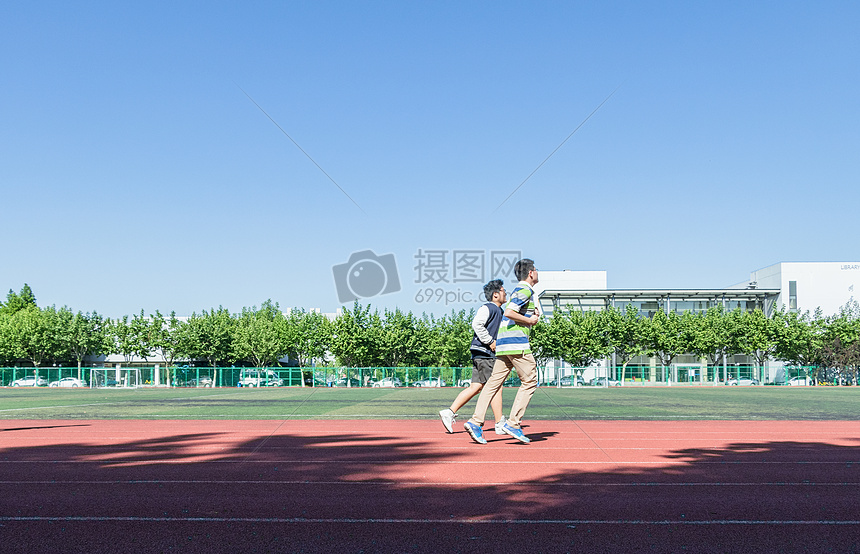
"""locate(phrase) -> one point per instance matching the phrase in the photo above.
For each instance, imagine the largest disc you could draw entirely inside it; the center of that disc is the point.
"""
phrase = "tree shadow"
(389, 493)
(30, 428)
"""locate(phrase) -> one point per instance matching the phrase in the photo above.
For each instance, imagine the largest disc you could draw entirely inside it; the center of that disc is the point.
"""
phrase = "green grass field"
(659, 403)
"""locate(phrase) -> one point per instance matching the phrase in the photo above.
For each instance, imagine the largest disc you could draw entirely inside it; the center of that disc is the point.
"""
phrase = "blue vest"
(479, 349)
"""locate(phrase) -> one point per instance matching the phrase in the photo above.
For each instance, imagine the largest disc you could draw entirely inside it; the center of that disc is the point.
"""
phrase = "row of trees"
(360, 338)
(810, 340)
(257, 336)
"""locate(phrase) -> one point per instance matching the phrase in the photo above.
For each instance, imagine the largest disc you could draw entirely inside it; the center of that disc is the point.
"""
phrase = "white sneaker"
(448, 418)
(499, 425)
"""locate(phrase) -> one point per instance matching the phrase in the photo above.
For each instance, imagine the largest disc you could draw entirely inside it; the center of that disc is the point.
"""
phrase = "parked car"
(203, 381)
(799, 381)
(259, 378)
(742, 381)
(388, 382)
(604, 382)
(29, 381)
(429, 383)
(345, 383)
(311, 381)
(72, 382)
(464, 382)
(568, 381)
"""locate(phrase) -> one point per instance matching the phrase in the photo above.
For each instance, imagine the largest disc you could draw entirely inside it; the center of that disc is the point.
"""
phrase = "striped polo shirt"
(513, 339)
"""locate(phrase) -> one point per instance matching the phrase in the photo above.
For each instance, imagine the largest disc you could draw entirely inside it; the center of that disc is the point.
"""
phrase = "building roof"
(662, 293)
(551, 299)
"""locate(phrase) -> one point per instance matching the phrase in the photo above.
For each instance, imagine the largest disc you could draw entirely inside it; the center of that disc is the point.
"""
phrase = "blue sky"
(137, 175)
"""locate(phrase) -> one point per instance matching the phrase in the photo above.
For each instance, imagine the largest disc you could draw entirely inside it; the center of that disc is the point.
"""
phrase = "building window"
(792, 295)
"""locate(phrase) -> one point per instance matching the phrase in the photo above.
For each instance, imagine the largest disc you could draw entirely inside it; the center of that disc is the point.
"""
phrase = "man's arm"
(520, 299)
(479, 325)
(520, 319)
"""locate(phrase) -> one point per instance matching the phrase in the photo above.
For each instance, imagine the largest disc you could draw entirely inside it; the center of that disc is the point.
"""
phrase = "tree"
(398, 339)
(841, 342)
(306, 336)
(453, 333)
(16, 302)
(427, 341)
(351, 341)
(668, 335)
(171, 340)
(210, 336)
(34, 334)
(754, 335)
(122, 338)
(842, 358)
(625, 332)
(138, 337)
(712, 339)
(147, 332)
(9, 347)
(541, 346)
(83, 335)
(256, 336)
(375, 335)
(799, 338)
(578, 337)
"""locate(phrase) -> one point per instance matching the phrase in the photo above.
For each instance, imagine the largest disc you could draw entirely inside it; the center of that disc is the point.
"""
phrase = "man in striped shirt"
(512, 352)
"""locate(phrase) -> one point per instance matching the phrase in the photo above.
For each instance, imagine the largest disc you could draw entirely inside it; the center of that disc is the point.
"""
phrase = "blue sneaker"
(475, 431)
(516, 433)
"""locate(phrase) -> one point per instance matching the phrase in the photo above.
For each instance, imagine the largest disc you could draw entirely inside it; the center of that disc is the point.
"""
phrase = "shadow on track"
(362, 492)
(43, 427)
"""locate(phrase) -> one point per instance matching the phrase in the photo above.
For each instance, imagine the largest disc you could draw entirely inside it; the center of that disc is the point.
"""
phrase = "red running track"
(406, 486)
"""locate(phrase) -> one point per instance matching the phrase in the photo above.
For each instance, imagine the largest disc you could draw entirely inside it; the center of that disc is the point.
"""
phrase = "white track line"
(258, 417)
(389, 463)
(568, 522)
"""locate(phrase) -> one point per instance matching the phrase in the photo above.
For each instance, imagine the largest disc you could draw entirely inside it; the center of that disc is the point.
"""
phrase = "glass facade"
(648, 303)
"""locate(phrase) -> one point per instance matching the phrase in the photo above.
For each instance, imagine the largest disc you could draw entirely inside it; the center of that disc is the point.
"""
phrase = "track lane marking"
(393, 463)
(316, 521)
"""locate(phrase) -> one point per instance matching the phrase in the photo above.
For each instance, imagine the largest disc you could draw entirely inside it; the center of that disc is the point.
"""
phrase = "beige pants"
(526, 370)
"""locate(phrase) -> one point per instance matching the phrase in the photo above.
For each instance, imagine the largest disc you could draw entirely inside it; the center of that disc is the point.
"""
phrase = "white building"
(810, 285)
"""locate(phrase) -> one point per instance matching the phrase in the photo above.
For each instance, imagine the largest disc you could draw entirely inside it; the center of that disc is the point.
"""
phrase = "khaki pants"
(526, 370)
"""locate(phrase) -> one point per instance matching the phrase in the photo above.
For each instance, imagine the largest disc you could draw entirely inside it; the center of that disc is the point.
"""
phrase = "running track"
(406, 486)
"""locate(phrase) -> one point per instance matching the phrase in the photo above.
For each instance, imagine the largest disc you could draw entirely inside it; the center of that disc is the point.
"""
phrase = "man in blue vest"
(485, 325)
(512, 352)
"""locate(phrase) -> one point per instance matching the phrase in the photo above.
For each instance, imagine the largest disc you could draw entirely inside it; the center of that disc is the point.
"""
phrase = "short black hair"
(523, 268)
(492, 288)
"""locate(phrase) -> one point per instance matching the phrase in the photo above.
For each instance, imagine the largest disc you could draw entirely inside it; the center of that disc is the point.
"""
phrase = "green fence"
(186, 376)
(676, 374)
(683, 373)
(390, 376)
(44, 375)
